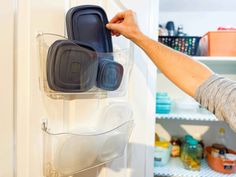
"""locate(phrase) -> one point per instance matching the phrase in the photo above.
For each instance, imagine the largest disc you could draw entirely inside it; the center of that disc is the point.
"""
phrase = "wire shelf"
(197, 116)
(175, 168)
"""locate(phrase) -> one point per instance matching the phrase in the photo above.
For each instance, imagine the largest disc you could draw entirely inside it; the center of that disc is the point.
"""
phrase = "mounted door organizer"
(70, 152)
(83, 64)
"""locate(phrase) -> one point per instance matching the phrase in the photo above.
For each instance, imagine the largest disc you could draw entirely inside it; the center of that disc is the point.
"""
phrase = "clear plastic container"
(70, 152)
(72, 70)
(163, 103)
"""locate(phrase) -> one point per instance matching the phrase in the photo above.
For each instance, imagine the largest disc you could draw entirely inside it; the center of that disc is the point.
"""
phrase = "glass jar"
(184, 145)
(176, 144)
(192, 157)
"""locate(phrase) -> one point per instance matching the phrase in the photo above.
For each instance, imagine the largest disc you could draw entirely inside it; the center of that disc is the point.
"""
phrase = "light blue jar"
(163, 103)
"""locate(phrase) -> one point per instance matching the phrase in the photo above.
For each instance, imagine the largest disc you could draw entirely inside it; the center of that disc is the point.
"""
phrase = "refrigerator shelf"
(175, 168)
(194, 116)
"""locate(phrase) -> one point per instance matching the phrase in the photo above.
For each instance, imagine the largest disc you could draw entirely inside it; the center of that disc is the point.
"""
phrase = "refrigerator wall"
(32, 105)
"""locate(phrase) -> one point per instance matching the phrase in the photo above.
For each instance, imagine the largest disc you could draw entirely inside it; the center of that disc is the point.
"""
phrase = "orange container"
(220, 165)
(218, 43)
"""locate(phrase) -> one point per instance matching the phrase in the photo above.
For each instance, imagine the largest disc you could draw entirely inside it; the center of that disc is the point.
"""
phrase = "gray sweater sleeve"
(218, 95)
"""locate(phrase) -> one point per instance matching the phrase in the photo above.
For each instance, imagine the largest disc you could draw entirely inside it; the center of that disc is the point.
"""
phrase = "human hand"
(124, 23)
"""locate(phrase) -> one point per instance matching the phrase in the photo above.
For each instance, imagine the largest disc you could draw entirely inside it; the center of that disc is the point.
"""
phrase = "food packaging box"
(218, 43)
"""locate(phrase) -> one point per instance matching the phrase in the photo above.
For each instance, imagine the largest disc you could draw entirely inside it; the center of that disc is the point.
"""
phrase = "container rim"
(47, 130)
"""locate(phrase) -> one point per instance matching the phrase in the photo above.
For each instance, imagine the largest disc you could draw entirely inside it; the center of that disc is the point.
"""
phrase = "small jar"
(184, 144)
(176, 144)
(192, 158)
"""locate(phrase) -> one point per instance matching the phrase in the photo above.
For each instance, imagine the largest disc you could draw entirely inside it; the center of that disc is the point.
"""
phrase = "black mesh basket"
(184, 44)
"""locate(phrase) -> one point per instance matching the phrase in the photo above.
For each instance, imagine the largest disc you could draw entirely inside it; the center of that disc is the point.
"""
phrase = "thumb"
(113, 26)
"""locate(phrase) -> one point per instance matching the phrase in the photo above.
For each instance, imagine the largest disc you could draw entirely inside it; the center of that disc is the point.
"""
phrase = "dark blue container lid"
(88, 24)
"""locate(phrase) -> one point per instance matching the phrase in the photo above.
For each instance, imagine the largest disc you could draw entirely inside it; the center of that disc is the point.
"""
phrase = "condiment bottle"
(175, 142)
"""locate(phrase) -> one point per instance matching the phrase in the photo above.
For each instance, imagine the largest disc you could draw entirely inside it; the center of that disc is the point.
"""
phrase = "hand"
(124, 23)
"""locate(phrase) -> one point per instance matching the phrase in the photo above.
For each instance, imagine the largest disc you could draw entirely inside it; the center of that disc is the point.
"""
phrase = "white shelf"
(215, 59)
(175, 168)
(220, 65)
(196, 116)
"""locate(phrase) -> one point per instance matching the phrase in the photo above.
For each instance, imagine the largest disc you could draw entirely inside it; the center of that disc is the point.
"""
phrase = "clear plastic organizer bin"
(68, 153)
(71, 69)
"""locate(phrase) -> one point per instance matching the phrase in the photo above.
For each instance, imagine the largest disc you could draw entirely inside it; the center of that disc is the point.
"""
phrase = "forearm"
(185, 72)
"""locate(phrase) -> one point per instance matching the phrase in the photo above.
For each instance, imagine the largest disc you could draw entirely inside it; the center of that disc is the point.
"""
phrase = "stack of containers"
(163, 103)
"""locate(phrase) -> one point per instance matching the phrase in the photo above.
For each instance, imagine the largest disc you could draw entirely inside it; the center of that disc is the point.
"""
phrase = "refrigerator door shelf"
(70, 153)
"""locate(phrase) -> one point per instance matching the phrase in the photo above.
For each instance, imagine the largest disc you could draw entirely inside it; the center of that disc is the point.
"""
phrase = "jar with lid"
(192, 157)
(184, 144)
(176, 144)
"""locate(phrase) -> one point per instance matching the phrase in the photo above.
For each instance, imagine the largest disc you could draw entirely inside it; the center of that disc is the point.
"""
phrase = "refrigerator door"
(49, 16)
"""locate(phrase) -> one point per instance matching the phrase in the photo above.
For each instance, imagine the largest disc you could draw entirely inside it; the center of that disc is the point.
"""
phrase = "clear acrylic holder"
(71, 152)
(120, 56)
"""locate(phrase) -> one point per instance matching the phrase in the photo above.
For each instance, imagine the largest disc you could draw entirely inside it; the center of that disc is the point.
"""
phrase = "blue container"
(163, 103)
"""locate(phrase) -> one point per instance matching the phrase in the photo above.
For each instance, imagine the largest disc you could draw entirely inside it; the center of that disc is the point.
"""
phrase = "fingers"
(120, 16)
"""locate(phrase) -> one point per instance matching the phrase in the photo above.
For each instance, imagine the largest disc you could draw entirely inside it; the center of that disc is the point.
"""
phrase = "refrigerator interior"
(197, 18)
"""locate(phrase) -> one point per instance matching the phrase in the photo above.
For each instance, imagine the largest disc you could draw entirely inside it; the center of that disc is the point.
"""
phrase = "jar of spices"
(176, 144)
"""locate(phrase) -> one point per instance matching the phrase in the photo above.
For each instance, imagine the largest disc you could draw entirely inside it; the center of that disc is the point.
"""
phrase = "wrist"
(138, 37)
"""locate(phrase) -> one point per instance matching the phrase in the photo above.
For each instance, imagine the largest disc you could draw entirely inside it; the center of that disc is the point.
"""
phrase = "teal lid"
(193, 142)
(161, 94)
(188, 137)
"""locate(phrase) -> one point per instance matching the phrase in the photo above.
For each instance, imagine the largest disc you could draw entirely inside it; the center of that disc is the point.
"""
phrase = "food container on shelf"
(184, 44)
(226, 166)
(163, 103)
(186, 105)
(162, 153)
(218, 43)
(192, 155)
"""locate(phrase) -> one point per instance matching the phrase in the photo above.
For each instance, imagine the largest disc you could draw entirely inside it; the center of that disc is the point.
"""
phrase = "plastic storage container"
(218, 43)
(163, 103)
(70, 69)
(226, 166)
(69, 152)
(184, 44)
(162, 153)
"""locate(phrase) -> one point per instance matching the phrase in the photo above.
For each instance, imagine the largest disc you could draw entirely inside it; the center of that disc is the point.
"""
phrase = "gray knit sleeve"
(218, 95)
